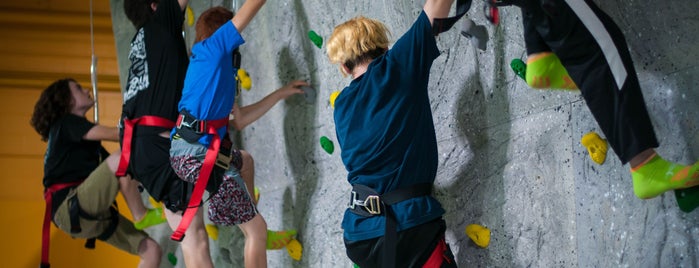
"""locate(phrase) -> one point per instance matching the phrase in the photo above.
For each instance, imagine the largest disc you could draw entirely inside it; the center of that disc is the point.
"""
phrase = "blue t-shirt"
(209, 87)
(384, 126)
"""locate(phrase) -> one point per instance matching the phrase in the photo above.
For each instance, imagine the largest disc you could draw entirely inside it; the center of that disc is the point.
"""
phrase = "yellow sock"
(544, 70)
(656, 176)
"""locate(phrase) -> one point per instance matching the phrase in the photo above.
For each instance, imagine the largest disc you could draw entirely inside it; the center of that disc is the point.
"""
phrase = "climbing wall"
(510, 156)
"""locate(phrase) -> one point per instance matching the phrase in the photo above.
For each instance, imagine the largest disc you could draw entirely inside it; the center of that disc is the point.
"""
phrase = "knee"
(150, 250)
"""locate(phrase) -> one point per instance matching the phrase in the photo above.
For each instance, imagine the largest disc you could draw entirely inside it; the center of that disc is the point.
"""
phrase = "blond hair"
(357, 40)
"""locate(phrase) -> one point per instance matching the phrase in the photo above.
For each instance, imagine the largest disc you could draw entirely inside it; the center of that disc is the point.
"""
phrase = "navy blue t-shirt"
(385, 129)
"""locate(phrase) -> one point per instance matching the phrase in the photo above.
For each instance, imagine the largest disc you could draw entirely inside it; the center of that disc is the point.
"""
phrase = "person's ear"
(345, 70)
(154, 6)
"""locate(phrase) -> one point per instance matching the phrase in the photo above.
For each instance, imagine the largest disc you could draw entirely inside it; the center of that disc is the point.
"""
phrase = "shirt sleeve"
(417, 48)
(222, 42)
(74, 128)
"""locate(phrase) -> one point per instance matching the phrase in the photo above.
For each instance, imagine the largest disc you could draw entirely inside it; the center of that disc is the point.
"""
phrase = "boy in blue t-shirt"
(384, 126)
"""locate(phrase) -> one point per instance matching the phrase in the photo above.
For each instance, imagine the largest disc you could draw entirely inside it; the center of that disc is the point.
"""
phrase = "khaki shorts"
(96, 195)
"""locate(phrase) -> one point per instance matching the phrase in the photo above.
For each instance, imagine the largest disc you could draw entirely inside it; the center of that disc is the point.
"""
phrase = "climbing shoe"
(656, 176)
(154, 216)
(279, 239)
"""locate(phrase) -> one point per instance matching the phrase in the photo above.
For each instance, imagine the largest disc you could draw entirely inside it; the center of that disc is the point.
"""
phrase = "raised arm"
(246, 12)
(243, 116)
(183, 4)
(437, 9)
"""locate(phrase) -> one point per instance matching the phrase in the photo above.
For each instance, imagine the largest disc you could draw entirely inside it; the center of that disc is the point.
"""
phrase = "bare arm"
(243, 116)
(437, 9)
(102, 133)
(246, 13)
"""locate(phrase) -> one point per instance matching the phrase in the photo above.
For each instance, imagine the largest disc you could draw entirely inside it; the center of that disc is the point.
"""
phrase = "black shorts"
(414, 247)
(607, 79)
(150, 165)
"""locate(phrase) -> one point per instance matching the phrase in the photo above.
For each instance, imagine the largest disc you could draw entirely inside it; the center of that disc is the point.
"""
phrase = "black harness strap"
(76, 213)
(365, 201)
(440, 25)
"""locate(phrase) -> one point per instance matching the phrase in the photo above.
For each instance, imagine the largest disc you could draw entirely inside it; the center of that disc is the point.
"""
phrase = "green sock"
(657, 176)
(153, 217)
(687, 199)
(279, 239)
(546, 71)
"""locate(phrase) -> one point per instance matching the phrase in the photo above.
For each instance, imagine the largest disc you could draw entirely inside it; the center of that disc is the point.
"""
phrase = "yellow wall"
(21, 201)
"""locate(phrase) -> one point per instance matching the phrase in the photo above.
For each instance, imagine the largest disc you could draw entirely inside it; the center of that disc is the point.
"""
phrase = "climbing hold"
(519, 67)
(244, 78)
(309, 94)
(327, 145)
(479, 234)
(190, 16)
(279, 239)
(212, 230)
(315, 38)
(333, 96)
(171, 257)
(257, 194)
(687, 199)
(295, 249)
(596, 147)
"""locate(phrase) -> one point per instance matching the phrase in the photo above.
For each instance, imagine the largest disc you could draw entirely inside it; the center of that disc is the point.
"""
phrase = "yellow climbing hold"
(257, 194)
(333, 96)
(479, 234)
(295, 249)
(596, 147)
(245, 81)
(190, 16)
(212, 230)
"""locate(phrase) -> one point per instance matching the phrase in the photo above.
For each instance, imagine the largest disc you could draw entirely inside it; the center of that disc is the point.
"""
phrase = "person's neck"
(359, 70)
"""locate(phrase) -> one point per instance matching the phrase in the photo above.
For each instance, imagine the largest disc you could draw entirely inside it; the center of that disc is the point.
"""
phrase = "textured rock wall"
(510, 156)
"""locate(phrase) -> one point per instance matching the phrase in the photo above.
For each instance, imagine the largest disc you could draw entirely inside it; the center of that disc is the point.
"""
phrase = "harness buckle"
(371, 203)
(196, 125)
(224, 160)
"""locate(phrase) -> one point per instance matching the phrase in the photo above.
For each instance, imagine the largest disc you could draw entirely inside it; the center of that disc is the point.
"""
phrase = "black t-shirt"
(158, 66)
(69, 157)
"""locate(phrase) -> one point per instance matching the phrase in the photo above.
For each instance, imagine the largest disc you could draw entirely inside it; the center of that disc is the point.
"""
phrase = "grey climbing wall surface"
(510, 156)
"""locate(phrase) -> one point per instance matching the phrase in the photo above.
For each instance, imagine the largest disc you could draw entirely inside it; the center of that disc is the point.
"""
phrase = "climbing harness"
(129, 125)
(366, 202)
(187, 125)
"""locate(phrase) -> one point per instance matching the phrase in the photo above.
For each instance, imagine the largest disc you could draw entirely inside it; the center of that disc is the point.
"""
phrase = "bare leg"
(641, 157)
(150, 254)
(248, 173)
(128, 188)
(255, 232)
(195, 245)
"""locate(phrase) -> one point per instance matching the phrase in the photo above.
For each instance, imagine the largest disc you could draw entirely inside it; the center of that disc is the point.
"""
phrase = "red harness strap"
(46, 230)
(206, 127)
(129, 124)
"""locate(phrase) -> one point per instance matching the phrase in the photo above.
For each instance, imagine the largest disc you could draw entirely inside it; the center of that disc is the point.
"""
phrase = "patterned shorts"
(232, 204)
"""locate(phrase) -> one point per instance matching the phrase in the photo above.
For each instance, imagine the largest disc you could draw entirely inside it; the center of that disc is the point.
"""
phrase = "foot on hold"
(295, 249)
(656, 176)
(279, 239)
(545, 71)
(596, 147)
(152, 217)
(687, 199)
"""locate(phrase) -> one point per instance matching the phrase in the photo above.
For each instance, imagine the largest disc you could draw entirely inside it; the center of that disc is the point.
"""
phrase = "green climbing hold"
(315, 38)
(327, 145)
(687, 199)
(171, 257)
(519, 67)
